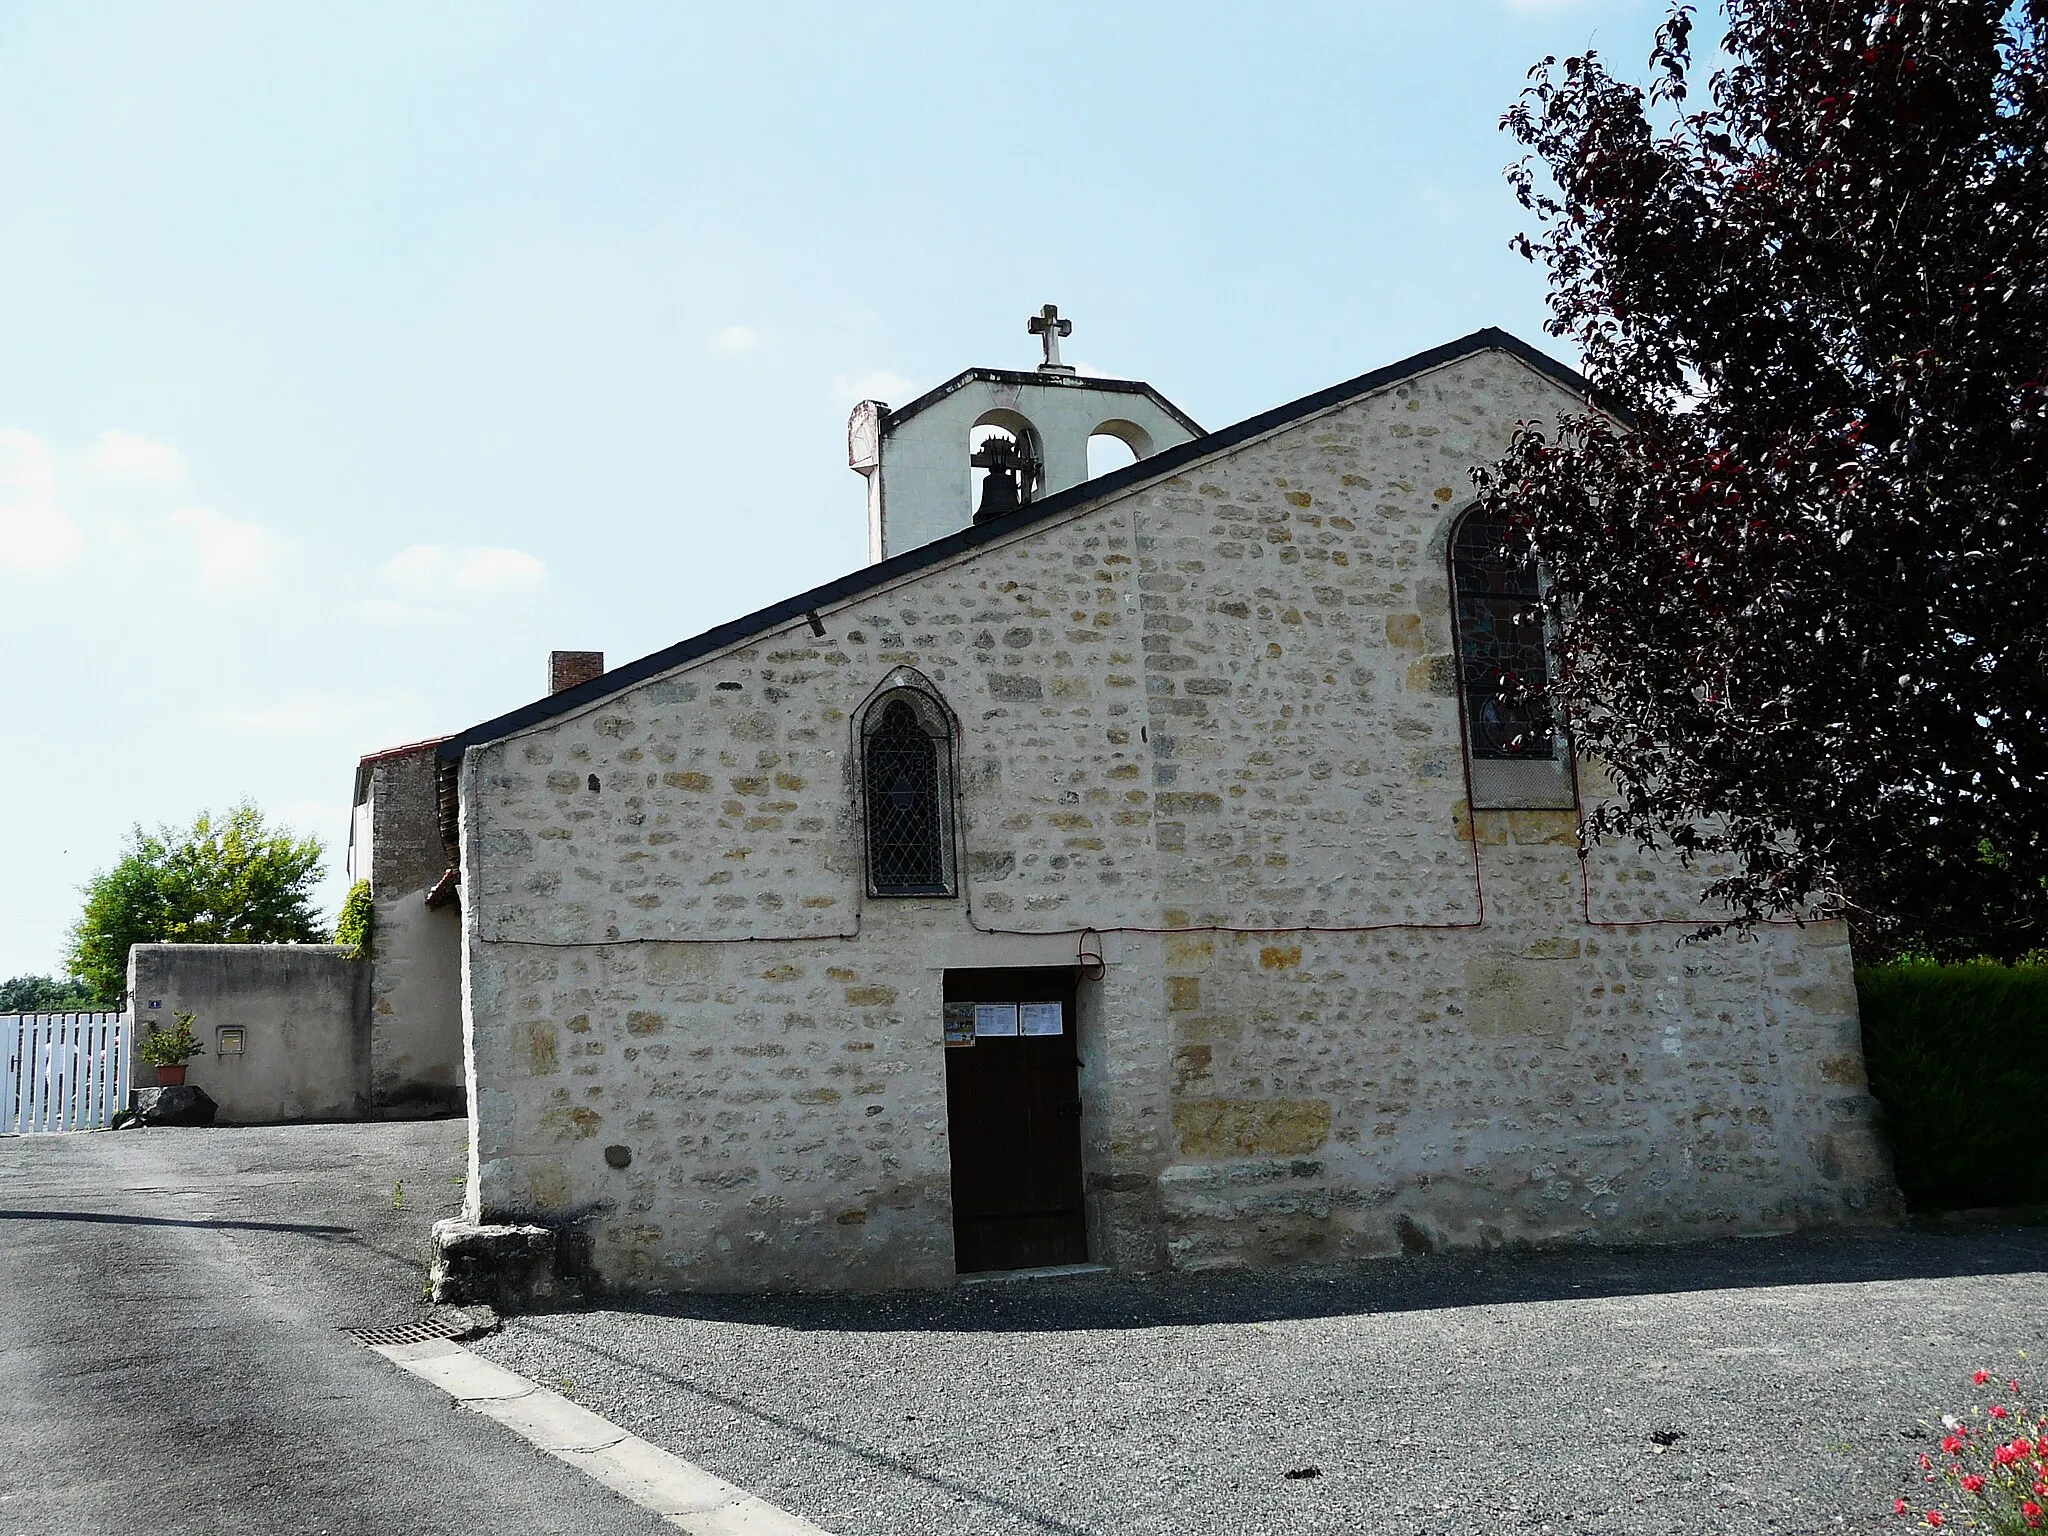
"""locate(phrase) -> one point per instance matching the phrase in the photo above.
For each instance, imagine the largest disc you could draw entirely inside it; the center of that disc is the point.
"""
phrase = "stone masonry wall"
(1219, 702)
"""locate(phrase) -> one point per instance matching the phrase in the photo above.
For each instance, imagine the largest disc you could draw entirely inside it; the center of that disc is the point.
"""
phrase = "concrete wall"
(416, 1006)
(416, 960)
(1221, 701)
(304, 1016)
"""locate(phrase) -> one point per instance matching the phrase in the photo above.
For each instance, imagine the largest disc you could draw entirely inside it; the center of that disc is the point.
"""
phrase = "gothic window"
(1503, 663)
(907, 775)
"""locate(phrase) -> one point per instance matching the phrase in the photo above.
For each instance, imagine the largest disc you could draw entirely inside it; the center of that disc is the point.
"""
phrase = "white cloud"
(733, 340)
(463, 570)
(234, 556)
(35, 533)
(131, 459)
(851, 388)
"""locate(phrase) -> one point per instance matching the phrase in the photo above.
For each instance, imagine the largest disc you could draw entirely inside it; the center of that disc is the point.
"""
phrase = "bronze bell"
(998, 496)
(1002, 492)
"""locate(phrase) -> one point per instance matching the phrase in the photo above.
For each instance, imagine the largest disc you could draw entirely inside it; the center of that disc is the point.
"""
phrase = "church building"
(1137, 870)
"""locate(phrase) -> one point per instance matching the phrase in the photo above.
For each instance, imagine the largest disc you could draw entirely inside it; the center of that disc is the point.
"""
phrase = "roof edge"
(1169, 461)
(1021, 377)
(400, 751)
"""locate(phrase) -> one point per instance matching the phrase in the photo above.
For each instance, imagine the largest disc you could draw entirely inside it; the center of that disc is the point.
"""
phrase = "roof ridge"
(1166, 462)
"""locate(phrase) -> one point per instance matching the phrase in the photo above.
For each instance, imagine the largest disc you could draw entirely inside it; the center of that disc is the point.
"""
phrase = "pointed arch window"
(1503, 662)
(907, 783)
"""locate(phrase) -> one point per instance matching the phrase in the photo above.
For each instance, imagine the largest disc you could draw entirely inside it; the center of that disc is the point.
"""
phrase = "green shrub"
(356, 927)
(1958, 1057)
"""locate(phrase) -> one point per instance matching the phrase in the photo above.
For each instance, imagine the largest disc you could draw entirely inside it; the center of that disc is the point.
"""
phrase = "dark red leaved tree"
(1798, 572)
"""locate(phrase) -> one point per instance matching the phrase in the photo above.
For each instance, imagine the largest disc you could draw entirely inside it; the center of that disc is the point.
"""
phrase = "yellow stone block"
(1251, 1127)
(1555, 827)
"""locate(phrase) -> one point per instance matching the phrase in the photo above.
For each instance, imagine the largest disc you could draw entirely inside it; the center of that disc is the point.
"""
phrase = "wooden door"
(1013, 1113)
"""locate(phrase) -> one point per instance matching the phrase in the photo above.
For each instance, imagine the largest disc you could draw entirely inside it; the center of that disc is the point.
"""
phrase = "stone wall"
(406, 851)
(301, 1008)
(1219, 702)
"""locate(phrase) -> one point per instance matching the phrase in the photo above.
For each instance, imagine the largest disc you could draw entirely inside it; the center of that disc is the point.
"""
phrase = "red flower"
(1981, 1377)
(2032, 1511)
(1898, 1506)
(1953, 1444)
(1973, 1484)
(1998, 1411)
(1935, 1519)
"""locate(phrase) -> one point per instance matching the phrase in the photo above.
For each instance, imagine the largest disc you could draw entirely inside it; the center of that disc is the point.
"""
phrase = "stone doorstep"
(1046, 1272)
(1980, 1216)
(682, 1493)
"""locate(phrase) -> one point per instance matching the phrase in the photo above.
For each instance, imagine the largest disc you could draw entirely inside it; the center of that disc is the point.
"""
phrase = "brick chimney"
(568, 668)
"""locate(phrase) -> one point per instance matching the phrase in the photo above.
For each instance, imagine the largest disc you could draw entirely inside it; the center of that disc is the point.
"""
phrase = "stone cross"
(1048, 327)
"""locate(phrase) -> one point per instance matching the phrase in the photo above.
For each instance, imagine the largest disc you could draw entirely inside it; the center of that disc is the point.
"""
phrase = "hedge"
(1958, 1057)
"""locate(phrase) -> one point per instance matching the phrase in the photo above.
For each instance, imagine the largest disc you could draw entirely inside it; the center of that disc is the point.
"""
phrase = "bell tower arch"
(991, 441)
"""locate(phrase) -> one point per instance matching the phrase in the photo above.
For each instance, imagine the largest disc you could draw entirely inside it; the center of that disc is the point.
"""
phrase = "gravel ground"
(1454, 1394)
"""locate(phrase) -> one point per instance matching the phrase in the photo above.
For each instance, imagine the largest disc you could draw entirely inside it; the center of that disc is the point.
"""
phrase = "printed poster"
(1042, 1018)
(995, 1020)
(959, 1023)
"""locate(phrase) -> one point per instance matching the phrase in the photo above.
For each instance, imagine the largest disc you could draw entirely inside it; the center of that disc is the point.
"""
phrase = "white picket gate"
(65, 1071)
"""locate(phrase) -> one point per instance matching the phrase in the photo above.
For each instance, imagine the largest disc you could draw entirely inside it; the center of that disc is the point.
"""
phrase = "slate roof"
(794, 609)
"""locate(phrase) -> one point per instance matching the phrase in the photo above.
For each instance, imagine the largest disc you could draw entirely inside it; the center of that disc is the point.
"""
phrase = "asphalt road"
(170, 1353)
(1793, 1379)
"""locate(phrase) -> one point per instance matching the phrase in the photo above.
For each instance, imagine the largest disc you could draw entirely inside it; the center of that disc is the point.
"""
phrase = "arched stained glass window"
(1503, 662)
(907, 752)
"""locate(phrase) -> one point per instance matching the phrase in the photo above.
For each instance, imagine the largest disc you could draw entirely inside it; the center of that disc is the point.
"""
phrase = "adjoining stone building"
(1120, 878)
(415, 960)
(313, 1031)
(413, 994)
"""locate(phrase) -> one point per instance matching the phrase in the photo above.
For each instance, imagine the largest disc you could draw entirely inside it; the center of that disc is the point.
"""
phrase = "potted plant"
(169, 1049)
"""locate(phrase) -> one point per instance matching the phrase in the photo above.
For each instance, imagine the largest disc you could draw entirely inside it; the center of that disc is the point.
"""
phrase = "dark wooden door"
(1013, 1112)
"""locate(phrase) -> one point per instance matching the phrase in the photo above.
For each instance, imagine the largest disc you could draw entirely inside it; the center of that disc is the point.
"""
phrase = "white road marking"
(682, 1493)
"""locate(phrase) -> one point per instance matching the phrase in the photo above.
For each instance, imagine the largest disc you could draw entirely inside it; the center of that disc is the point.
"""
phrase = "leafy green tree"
(234, 880)
(47, 994)
(1795, 576)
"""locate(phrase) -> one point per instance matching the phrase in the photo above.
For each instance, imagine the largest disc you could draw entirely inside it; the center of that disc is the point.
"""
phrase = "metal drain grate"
(413, 1333)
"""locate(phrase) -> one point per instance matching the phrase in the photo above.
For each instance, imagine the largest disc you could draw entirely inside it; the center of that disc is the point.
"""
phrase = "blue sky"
(351, 358)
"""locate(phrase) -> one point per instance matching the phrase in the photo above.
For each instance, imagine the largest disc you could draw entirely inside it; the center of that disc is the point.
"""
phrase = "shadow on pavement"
(1465, 1279)
(962, 1489)
(304, 1228)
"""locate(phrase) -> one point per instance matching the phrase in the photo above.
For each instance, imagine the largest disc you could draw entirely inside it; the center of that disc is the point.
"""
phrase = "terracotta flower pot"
(170, 1077)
